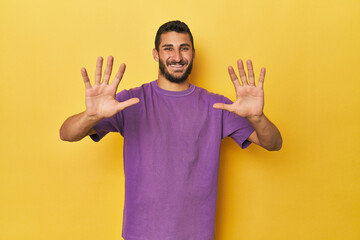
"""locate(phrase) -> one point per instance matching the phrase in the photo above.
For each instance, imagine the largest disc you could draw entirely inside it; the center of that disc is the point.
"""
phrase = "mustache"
(182, 62)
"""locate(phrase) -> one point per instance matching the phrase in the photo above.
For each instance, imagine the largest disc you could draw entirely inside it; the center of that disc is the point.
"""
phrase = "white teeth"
(177, 65)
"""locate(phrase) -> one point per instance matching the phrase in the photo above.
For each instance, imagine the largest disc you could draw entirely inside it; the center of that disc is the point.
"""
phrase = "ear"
(194, 53)
(156, 55)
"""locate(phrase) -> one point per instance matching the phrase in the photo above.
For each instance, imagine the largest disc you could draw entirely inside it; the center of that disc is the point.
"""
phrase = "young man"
(172, 132)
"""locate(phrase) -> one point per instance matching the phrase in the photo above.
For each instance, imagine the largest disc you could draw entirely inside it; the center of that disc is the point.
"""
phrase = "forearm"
(77, 127)
(267, 133)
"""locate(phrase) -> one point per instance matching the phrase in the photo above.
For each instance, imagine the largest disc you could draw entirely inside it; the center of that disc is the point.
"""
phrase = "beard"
(170, 76)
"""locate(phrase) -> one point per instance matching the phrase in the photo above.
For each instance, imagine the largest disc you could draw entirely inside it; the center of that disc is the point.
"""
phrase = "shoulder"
(212, 97)
(138, 92)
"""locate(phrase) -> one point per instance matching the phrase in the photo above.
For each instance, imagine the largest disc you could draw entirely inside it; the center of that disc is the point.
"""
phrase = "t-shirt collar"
(172, 93)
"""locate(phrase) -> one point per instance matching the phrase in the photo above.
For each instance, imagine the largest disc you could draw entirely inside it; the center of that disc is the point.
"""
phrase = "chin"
(175, 78)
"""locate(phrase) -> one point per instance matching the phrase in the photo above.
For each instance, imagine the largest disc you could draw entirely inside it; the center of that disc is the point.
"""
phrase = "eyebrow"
(171, 45)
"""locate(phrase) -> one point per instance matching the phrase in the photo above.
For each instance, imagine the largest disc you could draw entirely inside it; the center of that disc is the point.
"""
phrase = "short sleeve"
(111, 124)
(236, 127)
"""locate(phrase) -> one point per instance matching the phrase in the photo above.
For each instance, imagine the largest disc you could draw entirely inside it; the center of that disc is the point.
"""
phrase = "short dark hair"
(172, 26)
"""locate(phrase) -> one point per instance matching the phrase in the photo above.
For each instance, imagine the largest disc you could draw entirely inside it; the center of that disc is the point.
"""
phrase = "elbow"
(274, 146)
(67, 135)
(64, 136)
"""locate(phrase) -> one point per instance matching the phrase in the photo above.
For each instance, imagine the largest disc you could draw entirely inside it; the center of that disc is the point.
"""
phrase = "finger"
(223, 106)
(262, 78)
(98, 70)
(234, 78)
(242, 72)
(108, 69)
(86, 78)
(119, 75)
(251, 73)
(128, 103)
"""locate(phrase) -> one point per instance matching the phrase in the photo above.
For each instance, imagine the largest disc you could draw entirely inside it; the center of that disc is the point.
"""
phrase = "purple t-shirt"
(171, 158)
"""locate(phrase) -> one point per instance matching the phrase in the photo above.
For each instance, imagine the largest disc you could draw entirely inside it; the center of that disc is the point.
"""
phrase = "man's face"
(175, 56)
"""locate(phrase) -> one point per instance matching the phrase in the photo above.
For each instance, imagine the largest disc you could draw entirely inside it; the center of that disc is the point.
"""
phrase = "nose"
(177, 56)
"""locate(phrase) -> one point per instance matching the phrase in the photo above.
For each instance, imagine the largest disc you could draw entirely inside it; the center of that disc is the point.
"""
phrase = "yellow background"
(51, 189)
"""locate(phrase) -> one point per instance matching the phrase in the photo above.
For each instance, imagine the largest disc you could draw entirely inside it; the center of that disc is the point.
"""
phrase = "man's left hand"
(249, 97)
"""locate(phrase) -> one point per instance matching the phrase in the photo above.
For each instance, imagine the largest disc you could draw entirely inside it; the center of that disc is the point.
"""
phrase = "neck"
(165, 84)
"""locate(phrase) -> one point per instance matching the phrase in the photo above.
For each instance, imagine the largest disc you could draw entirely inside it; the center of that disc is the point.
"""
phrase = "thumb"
(128, 103)
(223, 106)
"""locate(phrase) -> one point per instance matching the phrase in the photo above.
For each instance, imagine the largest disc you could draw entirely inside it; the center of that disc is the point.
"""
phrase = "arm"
(266, 134)
(100, 103)
(250, 104)
(77, 127)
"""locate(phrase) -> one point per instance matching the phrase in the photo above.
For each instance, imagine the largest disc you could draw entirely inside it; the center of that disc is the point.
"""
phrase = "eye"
(185, 48)
(167, 49)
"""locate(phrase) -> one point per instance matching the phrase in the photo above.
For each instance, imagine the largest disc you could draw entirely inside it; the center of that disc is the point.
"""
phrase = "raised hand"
(100, 98)
(249, 97)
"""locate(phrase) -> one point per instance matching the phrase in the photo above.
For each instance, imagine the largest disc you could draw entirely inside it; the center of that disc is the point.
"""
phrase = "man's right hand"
(100, 103)
(100, 98)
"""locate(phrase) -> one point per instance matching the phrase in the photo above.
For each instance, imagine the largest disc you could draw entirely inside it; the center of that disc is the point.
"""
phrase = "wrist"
(91, 117)
(256, 119)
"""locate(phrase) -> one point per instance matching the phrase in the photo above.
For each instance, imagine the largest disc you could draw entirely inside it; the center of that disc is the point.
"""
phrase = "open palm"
(249, 97)
(100, 98)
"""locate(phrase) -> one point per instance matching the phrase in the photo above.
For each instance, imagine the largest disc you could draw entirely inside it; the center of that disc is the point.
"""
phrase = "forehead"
(175, 38)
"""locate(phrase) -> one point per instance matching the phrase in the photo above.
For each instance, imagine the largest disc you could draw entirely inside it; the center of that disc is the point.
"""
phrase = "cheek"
(190, 56)
(164, 58)
(163, 62)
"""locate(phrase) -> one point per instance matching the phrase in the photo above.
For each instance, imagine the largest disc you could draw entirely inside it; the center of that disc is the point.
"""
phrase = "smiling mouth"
(177, 67)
